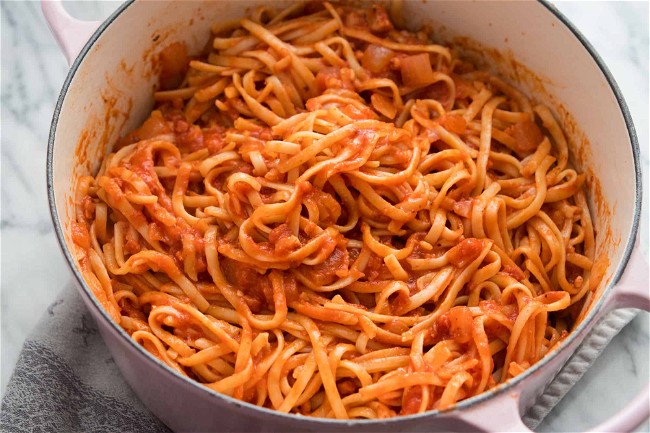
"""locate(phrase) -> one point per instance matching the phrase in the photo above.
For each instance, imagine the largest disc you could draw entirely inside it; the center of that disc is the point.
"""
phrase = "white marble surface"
(33, 270)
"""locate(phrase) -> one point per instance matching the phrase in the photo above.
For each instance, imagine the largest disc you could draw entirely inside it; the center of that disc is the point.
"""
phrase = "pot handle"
(501, 412)
(631, 291)
(70, 33)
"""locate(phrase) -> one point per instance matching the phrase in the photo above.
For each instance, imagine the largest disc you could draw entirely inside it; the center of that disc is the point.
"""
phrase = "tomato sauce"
(255, 287)
(80, 235)
(514, 272)
(453, 123)
(527, 136)
(465, 252)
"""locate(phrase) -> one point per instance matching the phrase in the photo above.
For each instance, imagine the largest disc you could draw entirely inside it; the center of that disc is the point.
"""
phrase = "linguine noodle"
(328, 216)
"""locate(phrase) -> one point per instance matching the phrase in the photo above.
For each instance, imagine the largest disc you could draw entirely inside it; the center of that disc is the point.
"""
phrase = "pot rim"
(464, 404)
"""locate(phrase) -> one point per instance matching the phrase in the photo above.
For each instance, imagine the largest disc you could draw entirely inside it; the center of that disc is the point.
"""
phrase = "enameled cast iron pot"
(109, 91)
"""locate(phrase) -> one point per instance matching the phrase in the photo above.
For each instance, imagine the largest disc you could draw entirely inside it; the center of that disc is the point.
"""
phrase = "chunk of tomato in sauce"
(174, 62)
(465, 252)
(527, 137)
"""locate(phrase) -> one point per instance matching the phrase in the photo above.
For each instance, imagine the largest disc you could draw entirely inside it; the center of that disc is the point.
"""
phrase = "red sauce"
(329, 208)
(333, 78)
(396, 326)
(598, 271)
(453, 123)
(463, 207)
(464, 88)
(153, 126)
(411, 400)
(378, 20)
(80, 235)
(514, 272)
(174, 62)
(355, 19)
(490, 307)
(335, 266)
(213, 139)
(346, 387)
(283, 240)
(358, 113)
(188, 137)
(375, 267)
(465, 252)
(573, 272)
(88, 207)
(132, 244)
(456, 324)
(255, 287)
(527, 136)
(460, 324)
(438, 91)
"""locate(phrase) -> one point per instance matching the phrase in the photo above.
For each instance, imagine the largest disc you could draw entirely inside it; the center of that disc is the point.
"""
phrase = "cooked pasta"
(328, 216)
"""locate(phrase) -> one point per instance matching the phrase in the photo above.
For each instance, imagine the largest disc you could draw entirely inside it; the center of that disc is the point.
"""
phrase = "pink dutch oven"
(108, 91)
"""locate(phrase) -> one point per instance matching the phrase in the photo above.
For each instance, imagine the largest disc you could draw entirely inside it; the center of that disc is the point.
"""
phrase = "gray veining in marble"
(32, 268)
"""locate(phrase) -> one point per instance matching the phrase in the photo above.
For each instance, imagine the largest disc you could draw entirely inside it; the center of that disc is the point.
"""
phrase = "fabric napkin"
(66, 381)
